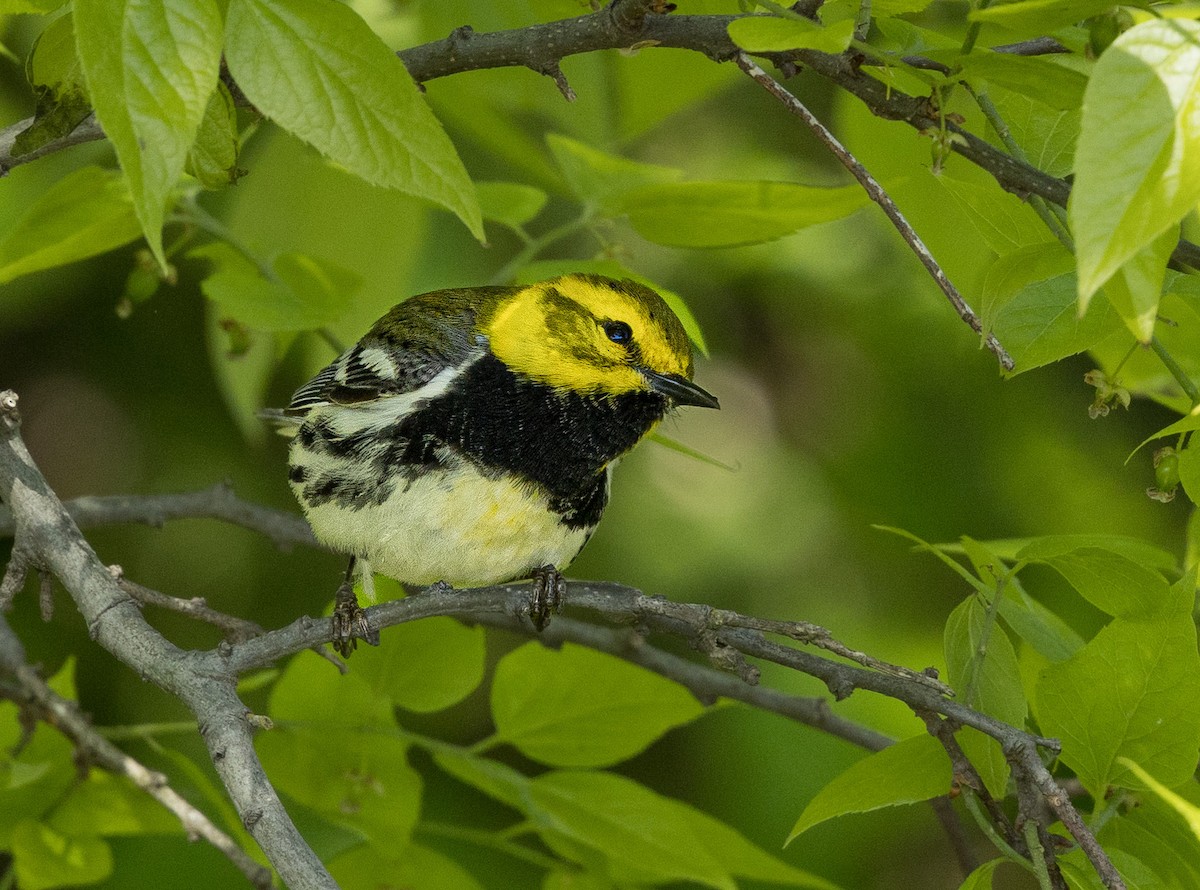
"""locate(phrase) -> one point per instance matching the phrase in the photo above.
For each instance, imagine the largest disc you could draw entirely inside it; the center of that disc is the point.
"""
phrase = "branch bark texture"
(48, 540)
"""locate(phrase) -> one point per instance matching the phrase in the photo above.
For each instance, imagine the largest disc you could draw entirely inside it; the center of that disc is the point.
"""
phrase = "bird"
(469, 437)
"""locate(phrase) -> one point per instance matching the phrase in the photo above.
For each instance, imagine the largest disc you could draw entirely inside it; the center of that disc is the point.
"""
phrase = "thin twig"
(234, 628)
(880, 197)
(215, 502)
(31, 692)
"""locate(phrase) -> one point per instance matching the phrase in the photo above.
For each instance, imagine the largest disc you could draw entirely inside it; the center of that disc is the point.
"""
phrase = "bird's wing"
(404, 351)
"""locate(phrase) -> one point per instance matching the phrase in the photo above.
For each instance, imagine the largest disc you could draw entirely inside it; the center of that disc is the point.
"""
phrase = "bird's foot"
(546, 598)
(350, 622)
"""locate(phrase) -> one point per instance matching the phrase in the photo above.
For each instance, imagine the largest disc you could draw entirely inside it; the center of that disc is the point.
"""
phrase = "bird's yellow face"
(589, 334)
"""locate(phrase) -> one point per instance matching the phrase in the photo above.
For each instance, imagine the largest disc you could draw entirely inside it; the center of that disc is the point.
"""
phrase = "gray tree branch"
(47, 539)
(27, 688)
(626, 23)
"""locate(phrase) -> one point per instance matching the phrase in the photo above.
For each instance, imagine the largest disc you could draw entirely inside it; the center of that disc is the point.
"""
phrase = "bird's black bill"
(680, 390)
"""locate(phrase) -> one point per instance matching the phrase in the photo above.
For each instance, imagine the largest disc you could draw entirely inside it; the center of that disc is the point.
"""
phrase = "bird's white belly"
(457, 526)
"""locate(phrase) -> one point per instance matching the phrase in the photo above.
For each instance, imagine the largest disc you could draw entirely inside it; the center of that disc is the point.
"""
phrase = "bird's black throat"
(561, 441)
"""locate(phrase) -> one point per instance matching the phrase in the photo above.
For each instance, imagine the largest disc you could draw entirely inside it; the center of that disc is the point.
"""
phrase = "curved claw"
(350, 622)
(546, 598)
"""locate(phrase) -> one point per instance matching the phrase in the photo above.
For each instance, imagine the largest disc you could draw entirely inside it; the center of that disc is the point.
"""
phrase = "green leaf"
(733, 214)
(108, 806)
(981, 877)
(1042, 79)
(1135, 289)
(744, 859)
(58, 84)
(1043, 15)
(1185, 809)
(1037, 625)
(411, 867)
(425, 665)
(1081, 874)
(359, 779)
(243, 363)
(87, 212)
(1137, 165)
(317, 70)
(988, 679)
(213, 158)
(1040, 323)
(540, 270)
(42, 771)
(764, 34)
(309, 683)
(29, 7)
(1015, 270)
(1002, 219)
(1110, 581)
(1046, 135)
(602, 179)
(1164, 829)
(579, 707)
(510, 203)
(646, 837)
(909, 771)
(302, 293)
(43, 858)
(1049, 546)
(496, 780)
(1130, 692)
(151, 66)
(1189, 470)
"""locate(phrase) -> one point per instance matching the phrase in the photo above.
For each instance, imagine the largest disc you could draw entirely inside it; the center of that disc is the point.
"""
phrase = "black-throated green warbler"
(469, 437)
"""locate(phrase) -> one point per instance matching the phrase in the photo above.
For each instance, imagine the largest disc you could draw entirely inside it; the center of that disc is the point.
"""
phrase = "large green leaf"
(1042, 15)
(1137, 164)
(1109, 580)
(1040, 322)
(599, 178)
(298, 292)
(43, 858)
(1130, 692)
(213, 158)
(1046, 135)
(424, 665)
(54, 71)
(733, 213)
(309, 683)
(909, 771)
(758, 34)
(411, 867)
(1043, 79)
(1003, 220)
(1163, 829)
(357, 778)
(317, 70)
(1136, 288)
(86, 213)
(987, 678)
(151, 66)
(1187, 811)
(510, 203)
(578, 707)
(647, 838)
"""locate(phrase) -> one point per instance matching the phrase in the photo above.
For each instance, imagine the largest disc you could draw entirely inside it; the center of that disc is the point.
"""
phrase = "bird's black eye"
(618, 332)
